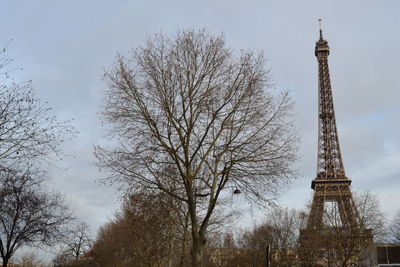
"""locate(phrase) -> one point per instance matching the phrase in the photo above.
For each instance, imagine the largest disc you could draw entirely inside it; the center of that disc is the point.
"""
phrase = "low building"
(381, 255)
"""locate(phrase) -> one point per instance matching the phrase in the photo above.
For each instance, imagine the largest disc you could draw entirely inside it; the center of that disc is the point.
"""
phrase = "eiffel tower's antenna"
(320, 29)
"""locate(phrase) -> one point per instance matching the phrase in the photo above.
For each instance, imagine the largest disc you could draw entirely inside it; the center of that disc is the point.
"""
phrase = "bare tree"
(29, 216)
(280, 231)
(29, 259)
(188, 103)
(285, 225)
(30, 138)
(229, 241)
(395, 229)
(145, 233)
(110, 247)
(370, 215)
(77, 242)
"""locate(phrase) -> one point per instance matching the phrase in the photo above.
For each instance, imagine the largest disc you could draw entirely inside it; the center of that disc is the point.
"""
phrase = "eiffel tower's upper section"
(330, 165)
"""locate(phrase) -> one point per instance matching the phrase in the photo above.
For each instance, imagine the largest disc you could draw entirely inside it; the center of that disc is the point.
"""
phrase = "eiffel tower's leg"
(316, 213)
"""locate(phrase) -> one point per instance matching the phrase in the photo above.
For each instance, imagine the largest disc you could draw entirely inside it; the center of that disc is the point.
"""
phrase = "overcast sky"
(64, 46)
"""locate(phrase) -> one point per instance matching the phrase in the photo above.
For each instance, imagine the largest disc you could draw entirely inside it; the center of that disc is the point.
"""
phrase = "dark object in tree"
(189, 104)
(29, 216)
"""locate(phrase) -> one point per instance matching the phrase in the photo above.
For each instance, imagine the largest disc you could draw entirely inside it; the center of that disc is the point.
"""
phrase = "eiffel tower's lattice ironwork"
(330, 163)
(331, 183)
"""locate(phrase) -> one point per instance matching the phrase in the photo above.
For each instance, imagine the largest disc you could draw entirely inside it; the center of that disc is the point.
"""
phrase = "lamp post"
(267, 260)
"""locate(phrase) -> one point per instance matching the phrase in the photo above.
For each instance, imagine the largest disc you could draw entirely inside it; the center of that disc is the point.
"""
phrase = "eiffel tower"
(331, 184)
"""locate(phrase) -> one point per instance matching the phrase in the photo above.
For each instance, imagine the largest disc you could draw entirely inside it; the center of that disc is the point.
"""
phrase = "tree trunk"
(170, 245)
(197, 250)
(184, 246)
(5, 262)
